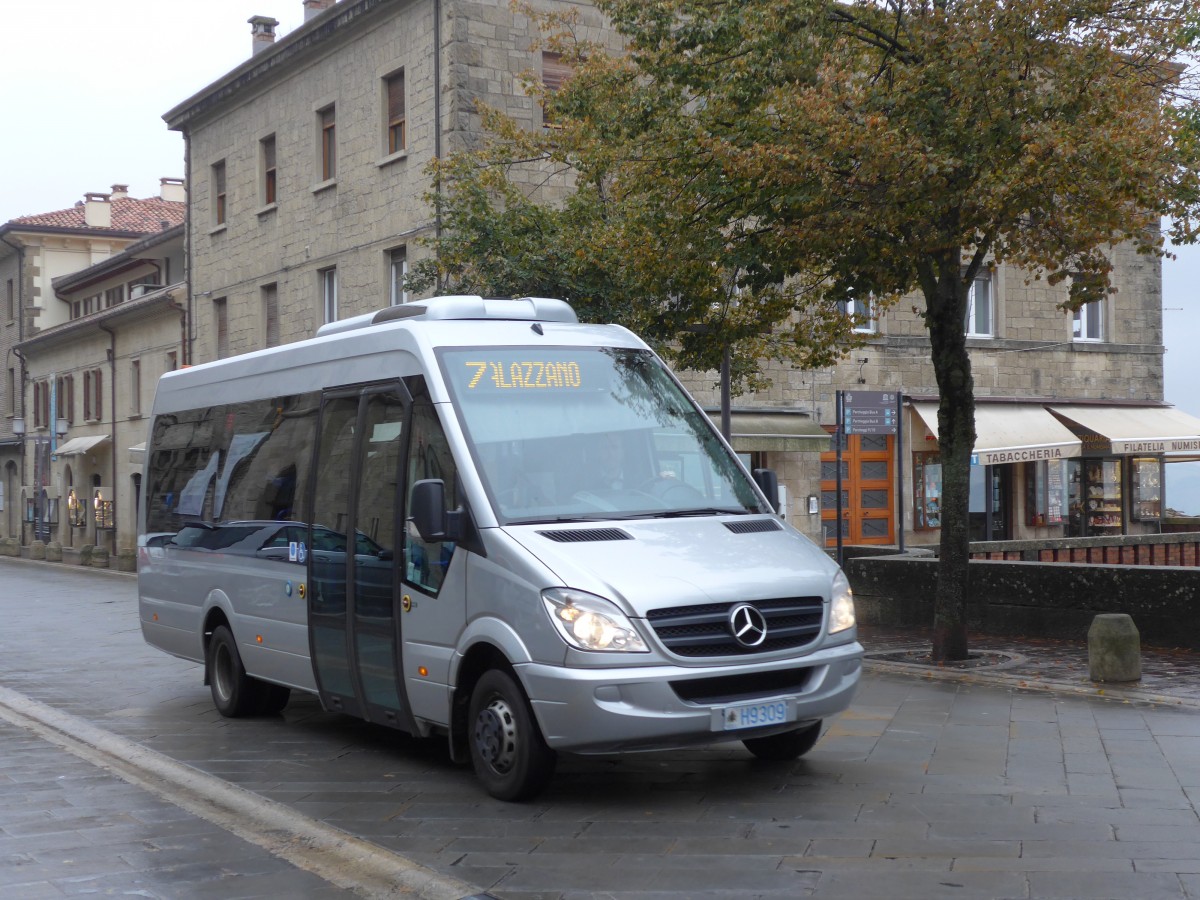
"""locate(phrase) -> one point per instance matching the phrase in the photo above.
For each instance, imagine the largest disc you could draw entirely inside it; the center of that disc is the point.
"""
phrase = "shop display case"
(1102, 501)
(1146, 482)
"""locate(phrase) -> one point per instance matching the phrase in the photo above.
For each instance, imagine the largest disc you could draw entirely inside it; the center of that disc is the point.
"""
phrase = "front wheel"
(235, 694)
(508, 752)
(787, 746)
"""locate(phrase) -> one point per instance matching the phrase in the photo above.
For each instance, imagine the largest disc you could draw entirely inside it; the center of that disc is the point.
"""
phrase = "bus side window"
(428, 457)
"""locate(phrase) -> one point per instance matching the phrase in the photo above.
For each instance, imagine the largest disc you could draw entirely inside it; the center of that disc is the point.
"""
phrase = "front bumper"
(614, 710)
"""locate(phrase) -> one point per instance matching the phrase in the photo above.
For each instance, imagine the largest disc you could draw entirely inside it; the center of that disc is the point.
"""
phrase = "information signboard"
(870, 412)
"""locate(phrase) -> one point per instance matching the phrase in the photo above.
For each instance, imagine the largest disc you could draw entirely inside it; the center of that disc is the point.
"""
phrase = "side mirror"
(769, 485)
(429, 514)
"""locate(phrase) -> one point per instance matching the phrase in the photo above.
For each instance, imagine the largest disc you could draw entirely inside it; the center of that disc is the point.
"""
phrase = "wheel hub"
(496, 735)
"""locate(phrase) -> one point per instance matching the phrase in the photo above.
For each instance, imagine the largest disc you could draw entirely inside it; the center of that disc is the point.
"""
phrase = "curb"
(338, 857)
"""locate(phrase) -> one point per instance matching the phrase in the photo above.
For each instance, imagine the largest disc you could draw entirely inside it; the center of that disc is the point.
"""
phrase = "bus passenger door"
(434, 591)
(353, 554)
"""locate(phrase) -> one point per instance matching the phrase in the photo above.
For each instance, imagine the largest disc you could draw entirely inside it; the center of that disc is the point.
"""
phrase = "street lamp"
(60, 428)
(18, 426)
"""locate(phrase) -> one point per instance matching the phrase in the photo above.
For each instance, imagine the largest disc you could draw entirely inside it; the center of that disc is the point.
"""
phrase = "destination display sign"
(870, 412)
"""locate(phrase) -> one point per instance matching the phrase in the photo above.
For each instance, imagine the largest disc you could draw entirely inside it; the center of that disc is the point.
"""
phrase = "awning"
(1133, 429)
(78, 445)
(752, 430)
(137, 453)
(1012, 433)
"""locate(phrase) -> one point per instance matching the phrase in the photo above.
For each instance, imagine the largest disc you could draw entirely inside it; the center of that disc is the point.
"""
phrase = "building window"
(267, 154)
(979, 307)
(329, 293)
(12, 392)
(395, 112)
(135, 387)
(398, 269)
(862, 310)
(221, 326)
(76, 309)
(328, 135)
(114, 295)
(12, 300)
(218, 193)
(65, 390)
(1087, 322)
(554, 75)
(270, 310)
(41, 404)
(93, 395)
(172, 360)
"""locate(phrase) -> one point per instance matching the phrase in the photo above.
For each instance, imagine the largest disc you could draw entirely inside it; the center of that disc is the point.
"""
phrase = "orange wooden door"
(868, 481)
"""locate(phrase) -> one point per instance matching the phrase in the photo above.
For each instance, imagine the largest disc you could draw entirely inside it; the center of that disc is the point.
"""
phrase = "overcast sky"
(87, 82)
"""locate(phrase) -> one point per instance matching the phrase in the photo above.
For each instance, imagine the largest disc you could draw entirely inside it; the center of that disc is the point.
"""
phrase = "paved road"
(924, 789)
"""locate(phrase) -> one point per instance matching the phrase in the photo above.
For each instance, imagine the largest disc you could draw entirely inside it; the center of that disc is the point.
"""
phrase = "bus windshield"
(568, 434)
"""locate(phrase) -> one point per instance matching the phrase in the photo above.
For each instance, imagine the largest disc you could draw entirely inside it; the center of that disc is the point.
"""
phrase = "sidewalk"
(1170, 677)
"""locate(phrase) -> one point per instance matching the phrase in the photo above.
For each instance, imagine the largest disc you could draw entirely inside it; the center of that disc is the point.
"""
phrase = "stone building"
(91, 385)
(35, 251)
(308, 164)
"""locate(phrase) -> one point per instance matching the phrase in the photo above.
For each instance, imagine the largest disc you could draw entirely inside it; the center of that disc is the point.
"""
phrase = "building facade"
(307, 167)
(35, 252)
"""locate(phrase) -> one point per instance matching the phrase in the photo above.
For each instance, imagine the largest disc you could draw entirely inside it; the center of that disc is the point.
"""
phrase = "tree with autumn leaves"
(746, 165)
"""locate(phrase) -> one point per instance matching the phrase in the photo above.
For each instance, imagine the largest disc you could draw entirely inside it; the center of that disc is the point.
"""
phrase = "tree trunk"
(946, 307)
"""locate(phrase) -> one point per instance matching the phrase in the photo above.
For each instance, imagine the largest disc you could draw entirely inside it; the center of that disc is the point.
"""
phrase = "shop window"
(1045, 493)
(927, 491)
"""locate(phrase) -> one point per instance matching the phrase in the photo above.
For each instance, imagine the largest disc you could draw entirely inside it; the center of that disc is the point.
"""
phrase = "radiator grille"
(703, 630)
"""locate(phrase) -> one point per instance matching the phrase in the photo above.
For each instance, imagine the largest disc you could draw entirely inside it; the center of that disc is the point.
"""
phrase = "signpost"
(870, 412)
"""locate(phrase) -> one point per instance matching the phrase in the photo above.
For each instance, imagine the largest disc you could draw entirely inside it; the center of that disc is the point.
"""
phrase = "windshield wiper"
(702, 511)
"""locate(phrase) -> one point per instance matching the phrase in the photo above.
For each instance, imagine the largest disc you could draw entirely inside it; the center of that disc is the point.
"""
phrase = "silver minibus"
(481, 519)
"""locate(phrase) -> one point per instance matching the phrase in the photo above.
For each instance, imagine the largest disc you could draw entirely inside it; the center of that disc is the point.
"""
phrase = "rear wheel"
(274, 698)
(508, 752)
(787, 746)
(234, 693)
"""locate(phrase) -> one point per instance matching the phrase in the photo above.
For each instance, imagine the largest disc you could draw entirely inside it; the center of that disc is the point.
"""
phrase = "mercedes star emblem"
(749, 626)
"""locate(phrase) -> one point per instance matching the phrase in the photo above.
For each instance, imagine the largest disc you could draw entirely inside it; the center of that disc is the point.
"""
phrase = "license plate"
(756, 715)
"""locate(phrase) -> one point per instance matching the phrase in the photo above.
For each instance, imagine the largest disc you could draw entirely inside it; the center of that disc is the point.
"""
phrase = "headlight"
(841, 606)
(590, 622)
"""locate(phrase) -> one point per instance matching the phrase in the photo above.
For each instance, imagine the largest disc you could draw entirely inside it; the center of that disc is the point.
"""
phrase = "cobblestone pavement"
(1170, 676)
(1015, 782)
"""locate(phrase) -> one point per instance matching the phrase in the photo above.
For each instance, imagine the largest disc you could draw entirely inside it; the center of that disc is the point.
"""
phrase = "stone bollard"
(126, 560)
(10, 547)
(85, 554)
(53, 551)
(37, 549)
(99, 558)
(1114, 649)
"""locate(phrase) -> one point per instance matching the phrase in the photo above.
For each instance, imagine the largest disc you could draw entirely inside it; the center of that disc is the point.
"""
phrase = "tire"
(508, 752)
(787, 746)
(235, 694)
(274, 698)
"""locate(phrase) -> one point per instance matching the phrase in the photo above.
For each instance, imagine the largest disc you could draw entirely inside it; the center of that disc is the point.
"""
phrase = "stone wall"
(1043, 600)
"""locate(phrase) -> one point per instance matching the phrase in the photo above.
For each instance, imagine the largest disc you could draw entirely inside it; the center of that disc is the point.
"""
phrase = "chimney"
(120, 191)
(315, 7)
(97, 211)
(262, 33)
(173, 189)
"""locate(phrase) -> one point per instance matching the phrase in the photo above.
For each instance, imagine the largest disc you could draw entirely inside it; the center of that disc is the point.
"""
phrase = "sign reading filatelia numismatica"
(870, 412)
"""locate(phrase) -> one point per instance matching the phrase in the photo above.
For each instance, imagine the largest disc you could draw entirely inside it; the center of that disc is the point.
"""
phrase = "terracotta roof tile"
(128, 214)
